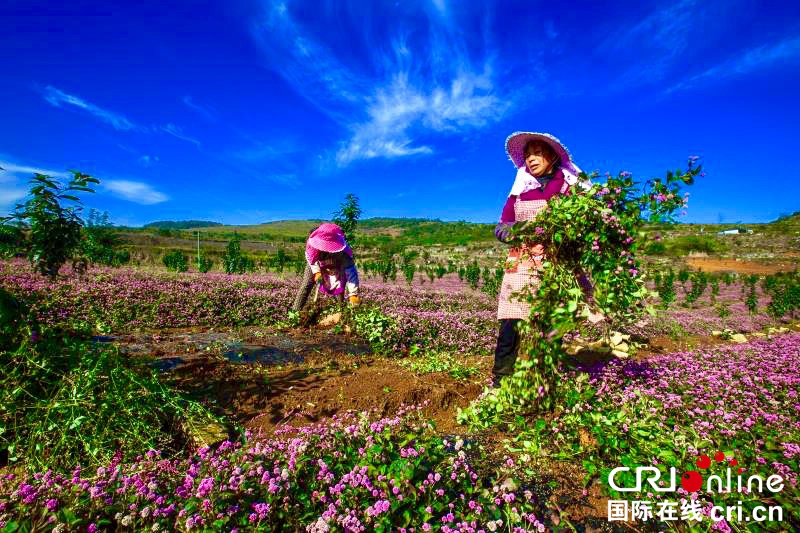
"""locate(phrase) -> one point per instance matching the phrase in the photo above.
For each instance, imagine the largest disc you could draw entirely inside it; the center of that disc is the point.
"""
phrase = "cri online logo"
(692, 481)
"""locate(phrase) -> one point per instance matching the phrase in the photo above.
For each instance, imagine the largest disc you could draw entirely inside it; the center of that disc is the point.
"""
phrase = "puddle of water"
(248, 353)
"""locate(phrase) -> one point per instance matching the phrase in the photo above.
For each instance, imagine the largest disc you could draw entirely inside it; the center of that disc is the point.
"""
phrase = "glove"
(318, 278)
(354, 300)
(503, 232)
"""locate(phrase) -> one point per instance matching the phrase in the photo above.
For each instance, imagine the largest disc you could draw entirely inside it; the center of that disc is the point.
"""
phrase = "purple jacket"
(507, 218)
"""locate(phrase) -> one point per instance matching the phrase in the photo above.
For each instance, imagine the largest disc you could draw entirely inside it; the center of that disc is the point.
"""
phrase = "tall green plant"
(54, 235)
(175, 261)
(347, 217)
(101, 242)
(234, 261)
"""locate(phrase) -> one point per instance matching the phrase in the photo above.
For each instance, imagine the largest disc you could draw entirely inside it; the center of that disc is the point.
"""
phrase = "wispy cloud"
(177, 131)
(14, 178)
(409, 93)
(148, 160)
(655, 43)
(27, 171)
(134, 191)
(761, 57)
(205, 111)
(274, 150)
(59, 98)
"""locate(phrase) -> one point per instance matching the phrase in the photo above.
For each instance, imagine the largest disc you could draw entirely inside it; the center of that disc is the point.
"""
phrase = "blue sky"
(247, 111)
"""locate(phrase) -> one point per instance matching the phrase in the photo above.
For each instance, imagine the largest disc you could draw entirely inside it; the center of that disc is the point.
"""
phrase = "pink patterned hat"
(515, 146)
(327, 238)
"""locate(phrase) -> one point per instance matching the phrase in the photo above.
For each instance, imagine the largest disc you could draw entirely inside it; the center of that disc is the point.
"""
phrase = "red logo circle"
(691, 481)
(703, 462)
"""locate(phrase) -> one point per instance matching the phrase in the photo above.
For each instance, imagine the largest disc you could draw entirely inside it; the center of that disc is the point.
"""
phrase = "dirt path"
(711, 264)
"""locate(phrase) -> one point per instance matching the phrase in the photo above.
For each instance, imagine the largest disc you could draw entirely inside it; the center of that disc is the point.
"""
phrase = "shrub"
(12, 241)
(472, 273)
(203, 263)
(409, 270)
(492, 280)
(784, 289)
(100, 244)
(55, 230)
(175, 261)
(234, 261)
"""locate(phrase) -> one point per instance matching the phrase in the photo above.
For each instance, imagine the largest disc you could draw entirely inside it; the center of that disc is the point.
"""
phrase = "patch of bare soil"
(711, 264)
(262, 378)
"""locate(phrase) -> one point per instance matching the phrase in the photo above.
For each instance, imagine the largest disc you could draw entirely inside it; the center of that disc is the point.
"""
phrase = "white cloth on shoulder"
(524, 181)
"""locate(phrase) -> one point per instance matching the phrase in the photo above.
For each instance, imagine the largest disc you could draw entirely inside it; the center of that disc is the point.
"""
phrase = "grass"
(433, 361)
(66, 401)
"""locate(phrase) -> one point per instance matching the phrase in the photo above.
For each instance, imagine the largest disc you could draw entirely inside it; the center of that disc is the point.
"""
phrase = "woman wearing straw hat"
(544, 169)
(330, 266)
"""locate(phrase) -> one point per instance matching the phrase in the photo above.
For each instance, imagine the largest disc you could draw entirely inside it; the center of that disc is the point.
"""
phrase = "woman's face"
(538, 159)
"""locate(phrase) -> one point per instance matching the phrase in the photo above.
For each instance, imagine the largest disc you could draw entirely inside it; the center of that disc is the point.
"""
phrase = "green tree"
(54, 228)
(203, 263)
(347, 217)
(101, 242)
(176, 261)
(234, 261)
(473, 274)
(280, 260)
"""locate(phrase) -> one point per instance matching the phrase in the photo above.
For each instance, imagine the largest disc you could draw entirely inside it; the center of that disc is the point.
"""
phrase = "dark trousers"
(505, 354)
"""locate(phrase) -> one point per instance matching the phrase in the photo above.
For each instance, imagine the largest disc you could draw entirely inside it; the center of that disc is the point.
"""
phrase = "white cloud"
(656, 42)
(10, 195)
(148, 160)
(134, 191)
(59, 98)
(760, 57)
(205, 111)
(409, 94)
(441, 6)
(177, 131)
(14, 178)
(26, 171)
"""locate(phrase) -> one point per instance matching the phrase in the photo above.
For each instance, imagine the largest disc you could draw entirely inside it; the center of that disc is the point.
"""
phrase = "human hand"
(503, 232)
(354, 300)
(536, 249)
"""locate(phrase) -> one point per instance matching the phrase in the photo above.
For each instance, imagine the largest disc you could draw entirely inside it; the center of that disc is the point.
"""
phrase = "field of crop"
(351, 425)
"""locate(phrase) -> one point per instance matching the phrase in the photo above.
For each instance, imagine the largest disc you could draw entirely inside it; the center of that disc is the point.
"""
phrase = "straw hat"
(515, 146)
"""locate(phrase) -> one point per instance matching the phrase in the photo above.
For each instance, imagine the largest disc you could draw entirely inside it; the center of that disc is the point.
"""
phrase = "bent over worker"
(330, 267)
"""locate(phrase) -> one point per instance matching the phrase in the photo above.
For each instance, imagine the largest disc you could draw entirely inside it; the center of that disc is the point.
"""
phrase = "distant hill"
(181, 224)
